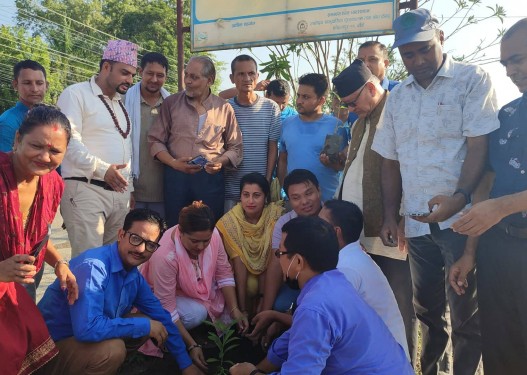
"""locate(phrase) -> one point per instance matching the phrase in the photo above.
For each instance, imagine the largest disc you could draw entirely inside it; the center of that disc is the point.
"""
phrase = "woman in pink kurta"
(191, 275)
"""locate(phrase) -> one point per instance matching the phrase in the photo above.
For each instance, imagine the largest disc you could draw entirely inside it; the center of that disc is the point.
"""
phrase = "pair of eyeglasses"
(353, 103)
(279, 253)
(137, 240)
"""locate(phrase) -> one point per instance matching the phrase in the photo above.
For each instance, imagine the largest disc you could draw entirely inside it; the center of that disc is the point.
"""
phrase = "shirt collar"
(21, 106)
(446, 70)
(115, 259)
(97, 90)
(385, 83)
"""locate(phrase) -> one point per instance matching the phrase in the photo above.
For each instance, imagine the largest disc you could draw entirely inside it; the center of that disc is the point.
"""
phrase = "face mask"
(293, 284)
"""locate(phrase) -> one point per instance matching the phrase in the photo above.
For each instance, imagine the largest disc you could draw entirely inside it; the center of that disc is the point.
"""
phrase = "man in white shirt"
(433, 138)
(96, 168)
(360, 270)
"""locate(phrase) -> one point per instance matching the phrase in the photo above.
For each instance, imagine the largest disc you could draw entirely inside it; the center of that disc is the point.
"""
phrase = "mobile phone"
(419, 214)
(41, 244)
(198, 160)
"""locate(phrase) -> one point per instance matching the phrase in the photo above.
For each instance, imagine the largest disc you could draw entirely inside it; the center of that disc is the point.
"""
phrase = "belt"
(102, 184)
(513, 231)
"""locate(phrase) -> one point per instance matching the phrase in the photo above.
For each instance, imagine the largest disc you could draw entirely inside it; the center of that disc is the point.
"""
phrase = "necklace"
(114, 118)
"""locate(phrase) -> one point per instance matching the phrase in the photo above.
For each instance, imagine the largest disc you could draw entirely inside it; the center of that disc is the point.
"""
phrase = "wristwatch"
(465, 194)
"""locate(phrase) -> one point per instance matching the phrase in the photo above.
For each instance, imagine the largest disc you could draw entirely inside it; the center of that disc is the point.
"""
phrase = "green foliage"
(224, 339)
(331, 57)
(71, 35)
(17, 45)
(278, 67)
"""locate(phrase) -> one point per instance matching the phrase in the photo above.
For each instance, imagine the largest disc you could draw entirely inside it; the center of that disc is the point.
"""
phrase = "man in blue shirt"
(29, 81)
(94, 334)
(502, 223)
(332, 333)
(304, 136)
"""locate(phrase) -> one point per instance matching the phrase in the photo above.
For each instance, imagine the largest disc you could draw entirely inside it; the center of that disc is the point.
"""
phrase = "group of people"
(174, 214)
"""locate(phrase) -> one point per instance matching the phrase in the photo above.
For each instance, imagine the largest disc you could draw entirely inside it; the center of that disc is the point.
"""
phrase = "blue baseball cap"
(417, 25)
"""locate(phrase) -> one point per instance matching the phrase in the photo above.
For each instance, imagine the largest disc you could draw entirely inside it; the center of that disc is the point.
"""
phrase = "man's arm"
(459, 270)
(308, 344)
(233, 144)
(88, 320)
(149, 305)
(391, 187)
(471, 172)
(282, 167)
(272, 155)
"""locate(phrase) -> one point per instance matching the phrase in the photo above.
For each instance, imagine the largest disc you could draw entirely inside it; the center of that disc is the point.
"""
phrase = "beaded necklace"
(114, 118)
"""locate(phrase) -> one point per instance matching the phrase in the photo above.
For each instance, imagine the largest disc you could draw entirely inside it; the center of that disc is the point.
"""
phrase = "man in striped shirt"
(259, 121)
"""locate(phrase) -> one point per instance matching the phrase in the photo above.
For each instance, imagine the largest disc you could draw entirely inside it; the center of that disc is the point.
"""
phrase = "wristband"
(62, 261)
(465, 194)
(189, 349)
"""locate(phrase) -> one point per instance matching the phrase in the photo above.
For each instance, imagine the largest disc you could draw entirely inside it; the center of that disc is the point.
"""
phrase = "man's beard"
(122, 92)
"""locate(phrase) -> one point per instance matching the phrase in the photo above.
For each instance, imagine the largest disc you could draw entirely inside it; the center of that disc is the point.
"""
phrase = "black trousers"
(181, 189)
(502, 293)
(431, 257)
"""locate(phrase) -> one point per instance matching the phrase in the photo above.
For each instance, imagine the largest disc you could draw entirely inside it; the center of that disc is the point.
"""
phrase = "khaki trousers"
(92, 214)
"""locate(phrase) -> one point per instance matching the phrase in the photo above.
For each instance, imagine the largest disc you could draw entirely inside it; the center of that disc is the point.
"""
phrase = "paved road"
(60, 239)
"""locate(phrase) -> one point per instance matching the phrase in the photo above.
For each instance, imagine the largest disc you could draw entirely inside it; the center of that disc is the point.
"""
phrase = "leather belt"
(102, 184)
(513, 231)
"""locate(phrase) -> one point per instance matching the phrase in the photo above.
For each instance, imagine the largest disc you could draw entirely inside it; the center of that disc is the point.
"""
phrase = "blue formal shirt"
(287, 112)
(10, 121)
(508, 155)
(386, 84)
(107, 292)
(336, 333)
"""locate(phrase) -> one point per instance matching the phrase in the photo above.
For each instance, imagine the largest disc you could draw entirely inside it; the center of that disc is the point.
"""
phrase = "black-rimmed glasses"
(279, 253)
(137, 240)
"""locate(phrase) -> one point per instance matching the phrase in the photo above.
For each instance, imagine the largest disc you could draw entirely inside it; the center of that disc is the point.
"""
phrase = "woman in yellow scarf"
(246, 231)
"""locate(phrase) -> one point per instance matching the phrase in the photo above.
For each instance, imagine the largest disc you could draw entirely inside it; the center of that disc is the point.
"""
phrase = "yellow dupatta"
(250, 242)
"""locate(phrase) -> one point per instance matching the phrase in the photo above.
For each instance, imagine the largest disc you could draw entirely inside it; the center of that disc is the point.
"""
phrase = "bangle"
(189, 349)
(61, 261)
(256, 371)
(234, 308)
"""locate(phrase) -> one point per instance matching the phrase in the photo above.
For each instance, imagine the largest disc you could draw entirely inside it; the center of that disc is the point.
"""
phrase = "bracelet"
(256, 371)
(234, 308)
(61, 261)
(189, 349)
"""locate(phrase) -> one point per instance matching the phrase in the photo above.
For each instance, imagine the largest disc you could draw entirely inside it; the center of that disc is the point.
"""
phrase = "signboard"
(226, 24)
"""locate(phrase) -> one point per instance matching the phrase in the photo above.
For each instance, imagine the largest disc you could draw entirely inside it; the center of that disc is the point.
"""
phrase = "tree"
(331, 57)
(17, 45)
(75, 33)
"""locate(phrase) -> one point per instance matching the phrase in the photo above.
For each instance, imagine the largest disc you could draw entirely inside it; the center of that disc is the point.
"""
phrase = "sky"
(463, 42)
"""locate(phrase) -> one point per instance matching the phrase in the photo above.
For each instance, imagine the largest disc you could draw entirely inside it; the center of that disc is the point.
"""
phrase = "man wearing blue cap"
(433, 138)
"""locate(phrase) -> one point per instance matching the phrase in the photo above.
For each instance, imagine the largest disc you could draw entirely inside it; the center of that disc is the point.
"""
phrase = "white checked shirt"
(426, 130)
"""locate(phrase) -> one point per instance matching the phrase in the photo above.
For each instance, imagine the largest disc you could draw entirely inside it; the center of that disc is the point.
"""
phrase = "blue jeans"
(181, 189)
(431, 257)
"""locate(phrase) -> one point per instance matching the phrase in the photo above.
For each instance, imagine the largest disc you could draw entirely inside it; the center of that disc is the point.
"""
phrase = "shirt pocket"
(447, 122)
(210, 136)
